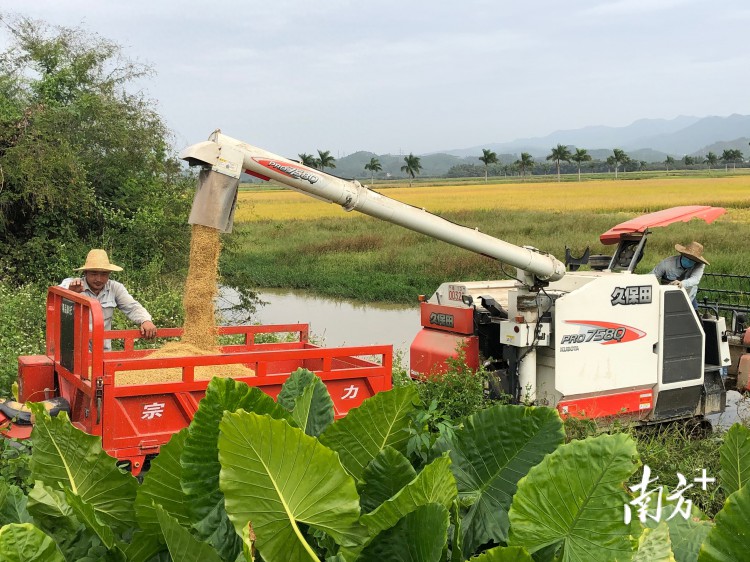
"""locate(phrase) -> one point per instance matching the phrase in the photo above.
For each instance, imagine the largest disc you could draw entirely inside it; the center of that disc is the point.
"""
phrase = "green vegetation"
(85, 163)
(253, 479)
(370, 260)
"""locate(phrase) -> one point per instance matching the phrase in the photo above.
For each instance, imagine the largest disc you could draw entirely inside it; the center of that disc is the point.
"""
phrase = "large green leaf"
(503, 554)
(86, 514)
(735, 458)
(147, 548)
(434, 484)
(22, 542)
(161, 486)
(381, 420)
(182, 545)
(419, 536)
(493, 450)
(200, 459)
(307, 397)
(68, 457)
(313, 409)
(276, 477)
(686, 534)
(12, 504)
(576, 497)
(654, 545)
(729, 539)
(386, 474)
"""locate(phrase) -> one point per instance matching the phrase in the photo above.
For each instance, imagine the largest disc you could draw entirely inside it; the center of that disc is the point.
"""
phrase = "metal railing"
(726, 295)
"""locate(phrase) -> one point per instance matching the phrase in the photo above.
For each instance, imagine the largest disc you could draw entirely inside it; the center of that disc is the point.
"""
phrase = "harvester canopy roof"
(664, 217)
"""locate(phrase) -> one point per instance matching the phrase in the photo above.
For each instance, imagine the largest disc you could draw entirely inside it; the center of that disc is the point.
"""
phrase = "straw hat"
(98, 259)
(694, 251)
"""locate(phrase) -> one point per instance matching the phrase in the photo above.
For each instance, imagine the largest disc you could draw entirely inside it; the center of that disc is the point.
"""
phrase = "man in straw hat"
(684, 270)
(96, 283)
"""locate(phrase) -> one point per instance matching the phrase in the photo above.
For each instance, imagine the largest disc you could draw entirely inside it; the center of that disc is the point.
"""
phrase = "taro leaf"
(294, 386)
(146, 548)
(276, 477)
(386, 474)
(55, 517)
(68, 457)
(435, 484)
(22, 542)
(312, 412)
(418, 537)
(182, 545)
(85, 513)
(728, 540)
(735, 458)
(576, 497)
(381, 420)
(686, 534)
(200, 459)
(313, 409)
(503, 554)
(493, 450)
(12, 504)
(161, 486)
(654, 545)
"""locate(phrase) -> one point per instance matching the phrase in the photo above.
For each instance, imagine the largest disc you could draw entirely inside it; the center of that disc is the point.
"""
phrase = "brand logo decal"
(288, 169)
(605, 333)
(440, 319)
(640, 294)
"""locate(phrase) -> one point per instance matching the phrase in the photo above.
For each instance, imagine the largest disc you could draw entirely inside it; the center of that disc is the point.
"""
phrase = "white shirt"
(113, 295)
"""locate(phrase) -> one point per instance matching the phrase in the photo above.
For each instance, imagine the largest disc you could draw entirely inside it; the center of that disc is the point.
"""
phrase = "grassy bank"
(285, 239)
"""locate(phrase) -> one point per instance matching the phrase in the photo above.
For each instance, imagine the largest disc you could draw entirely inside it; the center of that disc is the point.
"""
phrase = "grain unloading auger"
(225, 158)
(591, 343)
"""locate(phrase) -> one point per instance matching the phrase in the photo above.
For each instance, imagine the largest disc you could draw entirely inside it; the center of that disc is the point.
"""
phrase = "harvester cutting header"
(599, 343)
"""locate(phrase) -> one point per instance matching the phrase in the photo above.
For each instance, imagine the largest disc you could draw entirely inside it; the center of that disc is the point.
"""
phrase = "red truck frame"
(135, 420)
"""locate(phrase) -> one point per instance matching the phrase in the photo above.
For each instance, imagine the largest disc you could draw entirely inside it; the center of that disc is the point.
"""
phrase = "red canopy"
(661, 218)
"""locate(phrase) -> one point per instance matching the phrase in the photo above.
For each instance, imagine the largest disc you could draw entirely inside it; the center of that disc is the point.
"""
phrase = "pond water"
(337, 322)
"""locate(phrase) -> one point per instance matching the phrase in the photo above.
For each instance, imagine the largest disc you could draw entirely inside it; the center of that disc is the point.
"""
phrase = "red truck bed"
(134, 420)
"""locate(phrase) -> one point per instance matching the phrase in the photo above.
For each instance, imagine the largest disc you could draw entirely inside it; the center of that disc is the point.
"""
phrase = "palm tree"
(560, 152)
(669, 162)
(688, 160)
(326, 160)
(579, 158)
(373, 166)
(711, 160)
(412, 166)
(727, 156)
(526, 161)
(488, 157)
(618, 157)
(308, 160)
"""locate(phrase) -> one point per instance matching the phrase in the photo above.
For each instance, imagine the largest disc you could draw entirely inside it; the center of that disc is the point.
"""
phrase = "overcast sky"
(420, 76)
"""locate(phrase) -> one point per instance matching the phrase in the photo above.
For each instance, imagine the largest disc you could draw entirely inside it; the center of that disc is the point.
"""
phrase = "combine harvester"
(601, 343)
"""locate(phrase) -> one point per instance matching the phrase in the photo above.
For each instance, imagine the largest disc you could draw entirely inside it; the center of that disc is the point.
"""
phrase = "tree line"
(581, 158)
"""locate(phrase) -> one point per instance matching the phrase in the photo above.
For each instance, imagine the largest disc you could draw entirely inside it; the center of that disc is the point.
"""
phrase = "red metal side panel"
(637, 401)
(447, 318)
(431, 348)
(36, 378)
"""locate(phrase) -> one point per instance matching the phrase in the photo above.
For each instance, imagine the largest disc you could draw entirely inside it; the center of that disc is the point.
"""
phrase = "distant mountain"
(675, 137)
(647, 140)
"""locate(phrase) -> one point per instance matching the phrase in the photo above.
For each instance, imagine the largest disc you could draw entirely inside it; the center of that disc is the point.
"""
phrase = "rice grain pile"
(199, 337)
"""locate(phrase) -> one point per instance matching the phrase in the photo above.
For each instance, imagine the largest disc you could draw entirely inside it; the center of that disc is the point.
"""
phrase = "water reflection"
(336, 322)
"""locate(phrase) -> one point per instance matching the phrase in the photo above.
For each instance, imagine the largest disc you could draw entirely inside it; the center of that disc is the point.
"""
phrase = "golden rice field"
(291, 240)
(637, 196)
